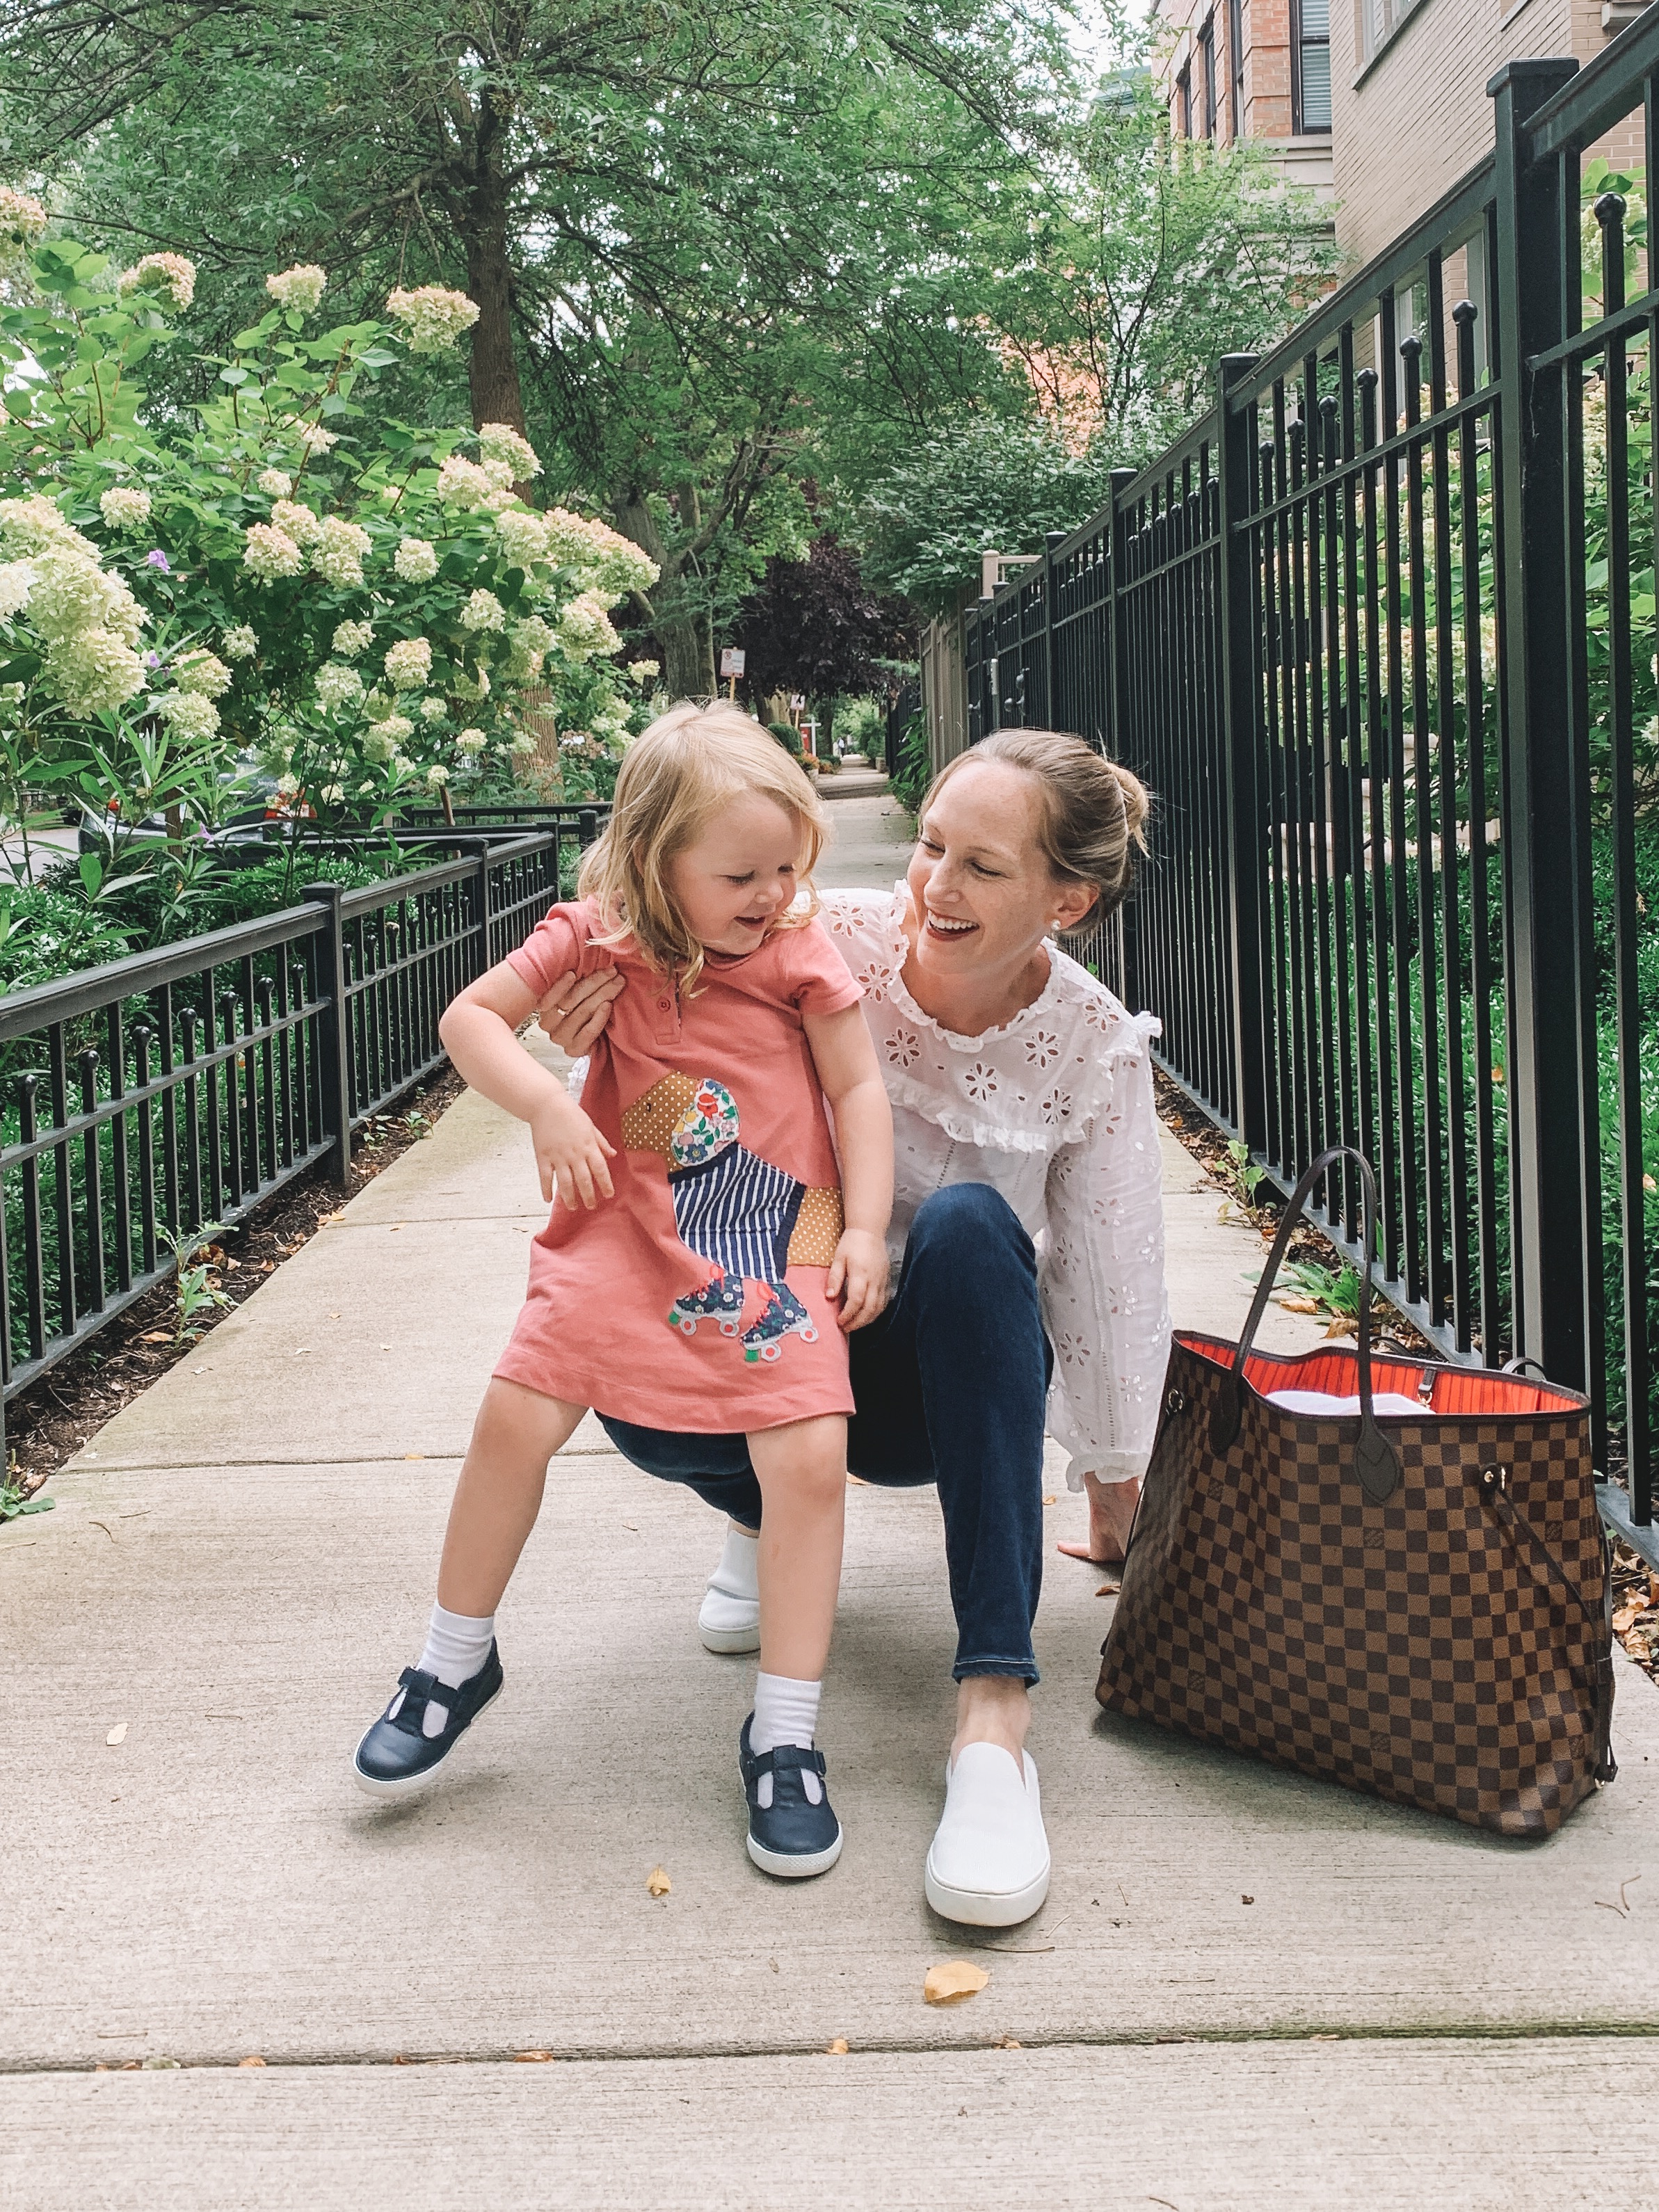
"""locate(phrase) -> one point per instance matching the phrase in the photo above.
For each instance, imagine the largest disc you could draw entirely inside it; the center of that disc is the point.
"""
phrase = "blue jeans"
(951, 1386)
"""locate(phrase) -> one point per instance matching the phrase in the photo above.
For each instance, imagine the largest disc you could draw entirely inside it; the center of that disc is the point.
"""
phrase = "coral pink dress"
(694, 1300)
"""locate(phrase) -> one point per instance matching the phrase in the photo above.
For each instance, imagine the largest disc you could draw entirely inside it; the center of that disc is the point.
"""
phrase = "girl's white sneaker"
(989, 1862)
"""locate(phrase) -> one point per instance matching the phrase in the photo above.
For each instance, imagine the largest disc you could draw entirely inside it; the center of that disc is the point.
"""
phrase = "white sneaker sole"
(413, 1784)
(795, 1866)
(730, 1639)
(985, 1908)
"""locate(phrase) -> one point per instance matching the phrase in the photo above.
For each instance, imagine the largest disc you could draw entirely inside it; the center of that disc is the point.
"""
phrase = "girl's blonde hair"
(674, 778)
(1092, 824)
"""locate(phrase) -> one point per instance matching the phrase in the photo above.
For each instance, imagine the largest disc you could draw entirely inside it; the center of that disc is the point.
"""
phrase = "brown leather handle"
(1374, 1460)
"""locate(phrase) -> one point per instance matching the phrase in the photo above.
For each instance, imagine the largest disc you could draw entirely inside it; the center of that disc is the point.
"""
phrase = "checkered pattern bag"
(1417, 1608)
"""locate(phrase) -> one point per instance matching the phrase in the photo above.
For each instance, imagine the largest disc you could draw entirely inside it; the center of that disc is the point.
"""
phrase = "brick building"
(1382, 101)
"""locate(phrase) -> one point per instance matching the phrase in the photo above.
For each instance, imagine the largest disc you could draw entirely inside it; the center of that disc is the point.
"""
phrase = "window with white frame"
(1310, 52)
(1378, 22)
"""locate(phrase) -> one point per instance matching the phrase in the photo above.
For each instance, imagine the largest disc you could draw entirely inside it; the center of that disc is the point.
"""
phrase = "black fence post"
(478, 935)
(1246, 873)
(1539, 801)
(1114, 738)
(334, 1030)
(1051, 714)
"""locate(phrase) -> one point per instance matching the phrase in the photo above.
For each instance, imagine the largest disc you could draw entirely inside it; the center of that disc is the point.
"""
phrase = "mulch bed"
(48, 1423)
(1635, 1585)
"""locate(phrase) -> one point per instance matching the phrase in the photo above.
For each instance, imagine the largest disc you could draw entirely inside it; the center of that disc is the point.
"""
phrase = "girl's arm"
(478, 1032)
(851, 1078)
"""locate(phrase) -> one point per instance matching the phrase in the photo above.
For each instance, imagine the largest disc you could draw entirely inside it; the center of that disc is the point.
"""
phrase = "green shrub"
(787, 735)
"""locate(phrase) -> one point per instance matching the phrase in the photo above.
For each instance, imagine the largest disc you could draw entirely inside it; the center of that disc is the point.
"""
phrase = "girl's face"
(740, 874)
(984, 894)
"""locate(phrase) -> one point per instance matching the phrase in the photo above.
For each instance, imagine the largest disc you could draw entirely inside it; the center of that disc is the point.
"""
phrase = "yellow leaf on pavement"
(658, 1882)
(951, 1983)
(249, 2062)
(837, 2048)
(117, 1734)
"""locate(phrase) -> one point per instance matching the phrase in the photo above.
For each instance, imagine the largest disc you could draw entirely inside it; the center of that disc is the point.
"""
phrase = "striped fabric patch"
(738, 1212)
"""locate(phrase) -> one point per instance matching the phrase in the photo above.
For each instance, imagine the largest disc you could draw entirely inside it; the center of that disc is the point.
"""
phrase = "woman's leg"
(500, 1492)
(1111, 1516)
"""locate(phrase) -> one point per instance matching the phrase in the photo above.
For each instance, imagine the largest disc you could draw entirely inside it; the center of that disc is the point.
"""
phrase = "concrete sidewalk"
(238, 1565)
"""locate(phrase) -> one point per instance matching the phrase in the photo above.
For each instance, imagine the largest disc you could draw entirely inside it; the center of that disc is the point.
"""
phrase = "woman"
(1028, 1236)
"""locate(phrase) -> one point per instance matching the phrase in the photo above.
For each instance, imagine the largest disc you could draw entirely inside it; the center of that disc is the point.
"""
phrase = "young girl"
(704, 1257)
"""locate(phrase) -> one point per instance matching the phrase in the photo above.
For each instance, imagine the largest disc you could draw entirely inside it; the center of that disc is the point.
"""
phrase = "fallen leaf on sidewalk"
(1108, 1589)
(1009, 2043)
(1627, 1615)
(249, 2062)
(117, 1734)
(952, 1983)
(1299, 1305)
(837, 2048)
(156, 1336)
(658, 1882)
(533, 2058)
(860, 1480)
(1049, 1499)
(414, 1455)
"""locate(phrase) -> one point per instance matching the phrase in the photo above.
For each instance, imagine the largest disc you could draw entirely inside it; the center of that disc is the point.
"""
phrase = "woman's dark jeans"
(951, 1386)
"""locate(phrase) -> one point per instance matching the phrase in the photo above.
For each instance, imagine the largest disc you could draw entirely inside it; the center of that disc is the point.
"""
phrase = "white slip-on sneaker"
(729, 1617)
(988, 1864)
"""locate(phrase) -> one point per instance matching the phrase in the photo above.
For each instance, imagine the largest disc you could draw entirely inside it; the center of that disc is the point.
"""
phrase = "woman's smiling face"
(983, 891)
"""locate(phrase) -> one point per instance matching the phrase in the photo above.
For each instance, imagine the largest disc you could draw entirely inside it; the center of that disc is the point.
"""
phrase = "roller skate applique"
(747, 1218)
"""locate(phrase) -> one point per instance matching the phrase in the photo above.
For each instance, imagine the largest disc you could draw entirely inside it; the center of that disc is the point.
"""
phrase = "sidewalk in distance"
(239, 1565)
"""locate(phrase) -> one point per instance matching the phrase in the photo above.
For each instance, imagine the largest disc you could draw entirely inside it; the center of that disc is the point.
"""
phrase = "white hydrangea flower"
(17, 582)
(188, 715)
(433, 318)
(606, 561)
(287, 786)
(332, 794)
(408, 664)
(35, 524)
(499, 475)
(462, 484)
(301, 287)
(483, 611)
(276, 484)
(384, 739)
(169, 276)
(642, 671)
(416, 560)
(470, 687)
(240, 643)
(585, 629)
(72, 594)
(299, 522)
(270, 553)
(523, 539)
(93, 670)
(433, 710)
(310, 436)
(337, 687)
(524, 743)
(365, 787)
(470, 742)
(124, 507)
(202, 674)
(352, 638)
(437, 774)
(23, 224)
(338, 549)
(500, 442)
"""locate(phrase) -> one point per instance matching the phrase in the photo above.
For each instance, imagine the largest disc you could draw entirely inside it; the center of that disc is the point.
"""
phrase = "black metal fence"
(1380, 632)
(154, 1097)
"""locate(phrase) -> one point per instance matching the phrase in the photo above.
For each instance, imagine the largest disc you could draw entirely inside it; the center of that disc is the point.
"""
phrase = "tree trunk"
(493, 374)
(688, 664)
(681, 629)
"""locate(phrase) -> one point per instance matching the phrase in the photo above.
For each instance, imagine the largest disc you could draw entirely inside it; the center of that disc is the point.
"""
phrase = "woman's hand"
(570, 1152)
(577, 1008)
(858, 1277)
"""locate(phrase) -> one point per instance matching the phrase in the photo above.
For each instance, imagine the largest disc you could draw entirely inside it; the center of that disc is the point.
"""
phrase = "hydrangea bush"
(368, 609)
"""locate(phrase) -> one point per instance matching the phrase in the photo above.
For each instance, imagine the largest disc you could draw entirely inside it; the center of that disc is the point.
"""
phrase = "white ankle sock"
(786, 1712)
(457, 1645)
(739, 1572)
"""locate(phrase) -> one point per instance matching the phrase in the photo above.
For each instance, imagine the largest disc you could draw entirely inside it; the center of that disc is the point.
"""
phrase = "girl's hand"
(570, 1152)
(857, 1276)
(577, 1008)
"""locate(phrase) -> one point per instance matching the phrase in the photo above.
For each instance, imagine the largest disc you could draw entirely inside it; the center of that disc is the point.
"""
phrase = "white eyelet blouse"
(1054, 1110)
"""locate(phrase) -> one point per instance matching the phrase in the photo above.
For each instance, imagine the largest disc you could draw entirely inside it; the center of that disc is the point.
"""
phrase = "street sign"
(732, 658)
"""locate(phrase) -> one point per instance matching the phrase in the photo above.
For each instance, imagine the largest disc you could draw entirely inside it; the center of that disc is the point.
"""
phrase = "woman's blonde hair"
(1092, 820)
(674, 778)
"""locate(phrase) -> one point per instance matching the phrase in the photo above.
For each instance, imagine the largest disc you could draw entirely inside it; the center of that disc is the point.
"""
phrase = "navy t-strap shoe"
(792, 1836)
(396, 1757)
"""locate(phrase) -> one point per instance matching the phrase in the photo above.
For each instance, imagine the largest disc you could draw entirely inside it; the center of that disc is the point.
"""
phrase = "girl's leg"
(802, 1472)
(458, 1673)
(500, 1493)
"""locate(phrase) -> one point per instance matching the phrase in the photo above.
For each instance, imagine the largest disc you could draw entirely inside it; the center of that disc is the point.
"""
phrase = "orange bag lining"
(1472, 1390)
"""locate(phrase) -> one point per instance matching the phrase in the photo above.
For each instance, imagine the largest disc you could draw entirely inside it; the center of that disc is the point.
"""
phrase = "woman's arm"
(478, 1030)
(1103, 1293)
(851, 1078)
